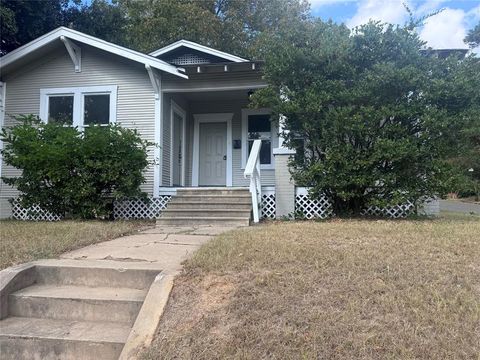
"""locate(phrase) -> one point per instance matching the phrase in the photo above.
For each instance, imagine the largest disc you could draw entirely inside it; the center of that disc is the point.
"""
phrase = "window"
(60, 109)
(260, 127)
(79, 106)
(257, 124)
(96, 109)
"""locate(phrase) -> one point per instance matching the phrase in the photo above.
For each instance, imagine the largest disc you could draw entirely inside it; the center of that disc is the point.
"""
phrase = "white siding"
(135, 105)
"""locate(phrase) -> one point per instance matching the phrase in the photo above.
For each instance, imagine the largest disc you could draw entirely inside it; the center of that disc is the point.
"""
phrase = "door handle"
(224, 157)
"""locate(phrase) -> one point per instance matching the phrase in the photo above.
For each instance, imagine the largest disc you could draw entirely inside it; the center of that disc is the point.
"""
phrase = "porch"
(207, 137)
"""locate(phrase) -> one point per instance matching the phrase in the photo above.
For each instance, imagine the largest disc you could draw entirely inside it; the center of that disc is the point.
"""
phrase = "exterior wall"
(135, 96)
(284, 187)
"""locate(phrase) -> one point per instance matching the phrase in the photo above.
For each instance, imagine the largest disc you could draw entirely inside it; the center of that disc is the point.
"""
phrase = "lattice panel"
(138, 209)
(312, 208)
(268, 206)
(33, 213)
(394, 212)
(189, 59)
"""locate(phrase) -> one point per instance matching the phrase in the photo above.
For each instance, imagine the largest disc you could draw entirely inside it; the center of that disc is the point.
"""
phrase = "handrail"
(252, 170)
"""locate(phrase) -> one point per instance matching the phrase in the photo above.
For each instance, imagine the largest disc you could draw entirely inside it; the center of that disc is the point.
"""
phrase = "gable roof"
(56, 34)
(194, 46)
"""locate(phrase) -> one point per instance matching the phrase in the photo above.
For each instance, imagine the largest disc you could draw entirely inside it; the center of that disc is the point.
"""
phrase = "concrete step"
(213, 191)
(174, 205)
(77, 303)
(207, 213)
(112, 275)
(48, 339)
(227, 199)
(199, 220)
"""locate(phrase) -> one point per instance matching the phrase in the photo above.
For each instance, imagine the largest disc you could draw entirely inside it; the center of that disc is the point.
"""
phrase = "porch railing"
(252, 171)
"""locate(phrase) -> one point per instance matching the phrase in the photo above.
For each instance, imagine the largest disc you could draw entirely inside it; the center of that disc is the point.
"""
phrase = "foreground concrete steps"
(76, 273)
(208, 206)
(30, 338)
(77, 303)
(71, 309)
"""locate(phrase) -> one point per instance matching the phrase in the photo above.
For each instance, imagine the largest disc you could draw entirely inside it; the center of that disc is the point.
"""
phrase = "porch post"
(284, 185)
(156, 80)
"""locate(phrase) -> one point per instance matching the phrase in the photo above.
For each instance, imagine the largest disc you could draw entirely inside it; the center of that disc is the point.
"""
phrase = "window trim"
(245, 114)
(78, 101)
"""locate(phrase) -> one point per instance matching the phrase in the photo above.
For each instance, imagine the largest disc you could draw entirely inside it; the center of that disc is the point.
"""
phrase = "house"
(189, 99)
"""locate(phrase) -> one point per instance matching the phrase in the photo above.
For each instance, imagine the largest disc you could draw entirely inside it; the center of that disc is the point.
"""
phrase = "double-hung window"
(257, 124)
(80, 107)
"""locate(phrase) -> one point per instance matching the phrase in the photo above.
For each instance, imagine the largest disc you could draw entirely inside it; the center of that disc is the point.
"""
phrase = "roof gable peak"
(208, 51)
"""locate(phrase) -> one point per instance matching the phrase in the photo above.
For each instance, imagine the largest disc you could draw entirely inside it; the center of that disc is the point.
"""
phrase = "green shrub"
(72, 173)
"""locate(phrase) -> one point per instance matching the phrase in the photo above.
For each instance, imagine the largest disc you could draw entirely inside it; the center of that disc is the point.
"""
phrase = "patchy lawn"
(343, 289)
(22, 241)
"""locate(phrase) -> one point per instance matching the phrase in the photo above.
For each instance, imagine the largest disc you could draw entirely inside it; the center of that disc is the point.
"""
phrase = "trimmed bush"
(73, 173)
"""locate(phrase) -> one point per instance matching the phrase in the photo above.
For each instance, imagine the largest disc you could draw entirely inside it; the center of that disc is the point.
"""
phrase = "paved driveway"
(459, 207)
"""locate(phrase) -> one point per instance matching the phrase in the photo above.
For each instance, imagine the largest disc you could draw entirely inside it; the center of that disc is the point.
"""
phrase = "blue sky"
(447, 29)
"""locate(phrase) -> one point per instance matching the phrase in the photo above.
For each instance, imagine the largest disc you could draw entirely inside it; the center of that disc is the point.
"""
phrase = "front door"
(213, 154)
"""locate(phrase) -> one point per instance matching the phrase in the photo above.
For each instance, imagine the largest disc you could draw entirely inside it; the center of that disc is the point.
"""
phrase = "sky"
(447, 29)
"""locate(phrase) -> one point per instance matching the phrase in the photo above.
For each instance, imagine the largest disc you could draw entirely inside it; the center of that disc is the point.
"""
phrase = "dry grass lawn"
(22, 241)
(343, 289)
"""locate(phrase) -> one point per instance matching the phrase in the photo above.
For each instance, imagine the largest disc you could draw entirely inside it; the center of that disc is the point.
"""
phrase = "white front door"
(213, 154)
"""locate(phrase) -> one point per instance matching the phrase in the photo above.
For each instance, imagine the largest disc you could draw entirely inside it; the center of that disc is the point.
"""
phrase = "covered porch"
(207, 137)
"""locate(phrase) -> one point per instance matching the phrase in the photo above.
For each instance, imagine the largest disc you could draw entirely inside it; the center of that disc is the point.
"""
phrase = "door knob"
(224, 157)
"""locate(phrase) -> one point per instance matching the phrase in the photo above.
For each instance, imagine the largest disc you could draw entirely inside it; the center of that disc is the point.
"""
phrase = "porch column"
(155, 79)
(284, 185)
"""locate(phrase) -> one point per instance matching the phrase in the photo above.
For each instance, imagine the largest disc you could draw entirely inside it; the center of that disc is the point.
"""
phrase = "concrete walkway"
(459, 207)
(165, 246)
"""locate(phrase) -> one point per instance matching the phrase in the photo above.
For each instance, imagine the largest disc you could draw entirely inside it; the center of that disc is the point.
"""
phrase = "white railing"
(252, 170)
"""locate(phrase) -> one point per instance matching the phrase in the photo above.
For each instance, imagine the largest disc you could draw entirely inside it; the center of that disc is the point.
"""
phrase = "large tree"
(375, 114)
(230, 25)
(473, 37)
(24, 20)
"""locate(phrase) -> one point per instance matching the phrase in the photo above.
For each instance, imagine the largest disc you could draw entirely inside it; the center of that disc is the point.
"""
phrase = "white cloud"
(386, 11)
(315, 4)
(445, 30)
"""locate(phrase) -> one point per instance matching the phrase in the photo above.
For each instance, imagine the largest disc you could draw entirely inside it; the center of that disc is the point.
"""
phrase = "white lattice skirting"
(268, 206)
(394, 212)
(138, 209)
(308, 208)
(122, 210)
(33, 213)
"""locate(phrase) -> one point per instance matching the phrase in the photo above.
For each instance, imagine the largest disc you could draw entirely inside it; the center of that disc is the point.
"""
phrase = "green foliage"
(231, 25)
(100, 18)
(375, 114)
(24, 20)
(473, 37)
(72, 173)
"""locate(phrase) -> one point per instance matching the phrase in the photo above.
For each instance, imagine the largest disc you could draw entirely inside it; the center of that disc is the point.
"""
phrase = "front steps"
(208, 206)
(72, 311)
